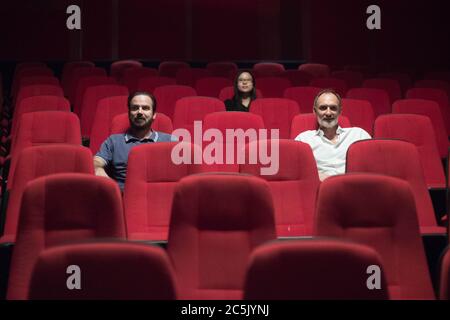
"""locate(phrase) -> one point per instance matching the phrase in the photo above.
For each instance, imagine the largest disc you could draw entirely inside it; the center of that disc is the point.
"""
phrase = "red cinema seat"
(431, 110)
(149, 84)
(131, 76)
(38, 103)
(338, 85)
(308, 269)
(121, 123)
(189, 76)
(378, 98)
(38, 90)
(167, 96)
(293, 187)
(392, 87)
(118, 67)
(75, 77)
(268, 69)
(28, 72)
(444, 287)
(436, 84)
(437, 95)
(107, 109)
(30, 80)
(371, 156)
(211, 86)
(360, 113)
(91, 98)
(191, 109)
(228, 93)
(217, 221)
(298, 78)
(170, 68)
(353, 79)
(317, 70)
(308, 121)
(87, 82)
(59, 209)
(221, 69)
(347, 209)
(419, 131)
(145, 273)
(277, 113)
(149, 193)
(38, 161)
(41, 128)
(68, 69)
(273, 87)
(403, 79)
(304, 96)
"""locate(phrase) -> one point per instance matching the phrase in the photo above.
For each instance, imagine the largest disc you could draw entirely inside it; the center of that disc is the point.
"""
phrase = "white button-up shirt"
(330, 157)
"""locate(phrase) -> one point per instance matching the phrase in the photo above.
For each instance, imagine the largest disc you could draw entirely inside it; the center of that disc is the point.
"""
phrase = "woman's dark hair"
(237, 94)
(143, 93)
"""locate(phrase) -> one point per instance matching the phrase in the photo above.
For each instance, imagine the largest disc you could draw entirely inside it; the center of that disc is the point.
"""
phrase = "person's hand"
(100, 172)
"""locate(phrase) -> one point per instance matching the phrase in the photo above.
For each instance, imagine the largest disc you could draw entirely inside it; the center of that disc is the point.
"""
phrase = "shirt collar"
(152, 136)
(320, 133)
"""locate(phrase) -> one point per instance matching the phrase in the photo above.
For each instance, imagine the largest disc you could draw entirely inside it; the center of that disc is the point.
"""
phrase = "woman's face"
(245, 82)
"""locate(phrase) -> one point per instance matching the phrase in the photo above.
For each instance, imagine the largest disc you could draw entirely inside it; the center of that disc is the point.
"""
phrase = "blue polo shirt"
(116, 148)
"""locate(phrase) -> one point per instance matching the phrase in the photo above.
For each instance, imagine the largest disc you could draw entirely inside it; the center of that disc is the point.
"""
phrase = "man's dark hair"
(142, 93)
(237, 94)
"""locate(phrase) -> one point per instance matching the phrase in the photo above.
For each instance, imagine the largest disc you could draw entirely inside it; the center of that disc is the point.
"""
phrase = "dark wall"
(413, 33)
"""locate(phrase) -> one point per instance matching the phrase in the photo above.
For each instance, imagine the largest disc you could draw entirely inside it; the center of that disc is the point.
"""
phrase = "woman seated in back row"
(244, 92)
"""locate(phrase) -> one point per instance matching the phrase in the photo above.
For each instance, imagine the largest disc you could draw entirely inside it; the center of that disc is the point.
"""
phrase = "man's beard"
(141, 126)
(328, 124)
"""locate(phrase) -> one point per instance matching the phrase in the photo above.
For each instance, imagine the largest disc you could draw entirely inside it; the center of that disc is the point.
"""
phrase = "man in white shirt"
(330, 142)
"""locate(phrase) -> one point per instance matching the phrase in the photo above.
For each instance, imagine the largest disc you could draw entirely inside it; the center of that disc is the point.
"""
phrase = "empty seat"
(228, 93)
(317, 70)
(313, 270)
(347, 209)
(87, 82)
(338, 85)
(217, 221)
(149, 84)
(371, 156)
(38, 161)
(403, 79)
(121, 123)
(30, 80)
(431, 110)
(298, 78)
(293, 187)
(308, 121)
(189, 76)
(277, 113)
(68, 71)
(190, 109)
(418, 130)
(392, 87)
(167, 96)
(145, 273)
(444, 287)
(149, 193)
(268, 69)
(437, 84)
(118, 67)
(359, 113)
(273, 87)
(77, 74)
(221, 69)
(91, 99)
(38, 103)
(43, 127)
(170, 68)
(27, 72)
(304, 96)
(378, 98)
(60, 209)
(107, 109)
(353, 79)
(437, 95)
(211, 86)
(131, 76)
(38, 90)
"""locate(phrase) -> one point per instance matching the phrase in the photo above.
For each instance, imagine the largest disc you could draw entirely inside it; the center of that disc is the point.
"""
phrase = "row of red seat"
(217, 245)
